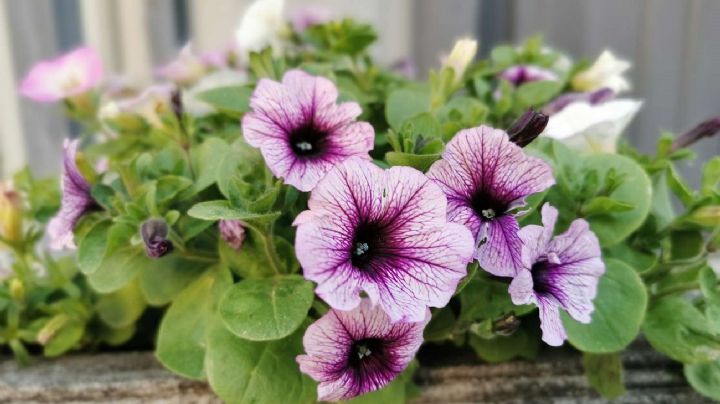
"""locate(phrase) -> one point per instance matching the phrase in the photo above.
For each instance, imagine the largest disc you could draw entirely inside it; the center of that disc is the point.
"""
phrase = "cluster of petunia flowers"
(383, 245)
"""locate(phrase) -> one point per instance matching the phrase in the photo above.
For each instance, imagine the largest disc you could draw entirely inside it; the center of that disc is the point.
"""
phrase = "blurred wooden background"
(674, 45)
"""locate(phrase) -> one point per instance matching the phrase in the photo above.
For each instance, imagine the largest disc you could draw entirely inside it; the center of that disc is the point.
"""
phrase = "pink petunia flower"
(355, 352)
(486, 178)
(76, 201)
(186, 69)
(385, 233)
(66, 76)
(300, 129)
(560, 272)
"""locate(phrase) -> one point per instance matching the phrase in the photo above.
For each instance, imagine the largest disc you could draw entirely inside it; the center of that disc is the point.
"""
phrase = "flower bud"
(606, 72)
(460, 57)
(708, 128)
(51, 328)
(17, 291)
(10, 214)
(154, 234)
(233, 232)
(528, 127)
(506, 325)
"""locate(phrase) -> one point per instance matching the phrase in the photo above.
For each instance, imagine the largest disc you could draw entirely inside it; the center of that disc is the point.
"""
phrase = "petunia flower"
(76, 201)
(261, 26)
(521, 74)
(561, 272)
(69, 75)
(606, 72)
(186, 69)
(355, 352)
(300, 129)
(486, 178)
(152, 105)
(385, 233)
(596, 97)
(593, 128)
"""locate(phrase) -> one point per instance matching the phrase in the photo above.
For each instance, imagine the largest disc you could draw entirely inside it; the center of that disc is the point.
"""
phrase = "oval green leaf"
(705, 378)
(619, 309)
(242, 371)
(266, 309)
(634, 190)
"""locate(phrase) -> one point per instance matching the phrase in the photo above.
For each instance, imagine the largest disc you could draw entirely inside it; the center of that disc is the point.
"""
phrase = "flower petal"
(501, 254)
(553, 331)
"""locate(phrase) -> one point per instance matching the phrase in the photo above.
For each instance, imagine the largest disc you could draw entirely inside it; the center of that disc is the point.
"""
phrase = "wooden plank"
(134, 44)
(12, 156)
(100, 30)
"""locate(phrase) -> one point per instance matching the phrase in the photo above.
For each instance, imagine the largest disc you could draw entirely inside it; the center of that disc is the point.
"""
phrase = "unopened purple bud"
(233, 232)
(708, 128)
(177, 104)
(527, 128)
(154, 234)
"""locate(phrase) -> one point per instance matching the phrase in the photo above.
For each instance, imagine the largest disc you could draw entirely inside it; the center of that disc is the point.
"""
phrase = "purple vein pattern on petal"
(354, 352)
(76, 201)
(561, 273)
(383, 232)
(300, 129)
(485, 177)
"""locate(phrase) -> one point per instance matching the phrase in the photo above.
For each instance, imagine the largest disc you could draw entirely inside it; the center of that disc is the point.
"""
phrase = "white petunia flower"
(261, 26)
(606, 72)
(592, 128)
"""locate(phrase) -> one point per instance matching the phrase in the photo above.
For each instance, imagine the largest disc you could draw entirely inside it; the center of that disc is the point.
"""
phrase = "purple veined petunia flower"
(66, 76)
(521, 74)
(76, 201)
(355, 352)
(383, 232)
(561, 272)
(300, 129)
(486, 178)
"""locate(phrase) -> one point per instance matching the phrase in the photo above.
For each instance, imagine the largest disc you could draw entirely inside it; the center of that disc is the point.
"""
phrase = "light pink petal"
(68, 75)
(553, 332)
(501, 254)
(521, 288)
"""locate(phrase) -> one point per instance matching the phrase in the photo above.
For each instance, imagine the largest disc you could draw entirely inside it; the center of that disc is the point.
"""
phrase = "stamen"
(363, 351)
(361, 248)
(488, 213)
(304, 146)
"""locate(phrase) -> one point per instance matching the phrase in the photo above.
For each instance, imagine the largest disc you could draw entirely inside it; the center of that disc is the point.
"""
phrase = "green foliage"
(605, 373)
(266, 309)
(619, 309)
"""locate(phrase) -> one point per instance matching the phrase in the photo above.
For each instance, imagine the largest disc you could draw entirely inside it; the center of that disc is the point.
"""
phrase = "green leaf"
(242, 371)
(639, 260)
(537, 93)
(221, 209)
(169, 186)
(251, 260)
(92, 247)
(605, 373)
(65, 339)
(162, 279)
(119, 268)
(441, 326)
(234, 100)
(420, 162)
(499, 349)
(711, 176)
(181, 337)
(266, 309)
(619, 308)
(123, 307)
(601, 205)
(678, 329)
(686, 245)
(405, 103)
(704, 378)
(634, 190)
(483, 298)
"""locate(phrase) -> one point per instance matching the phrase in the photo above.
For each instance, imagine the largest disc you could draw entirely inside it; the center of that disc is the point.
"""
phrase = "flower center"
(544, 281)
(486, 205)
(364, 351)
(366, 245)
(308, 141)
